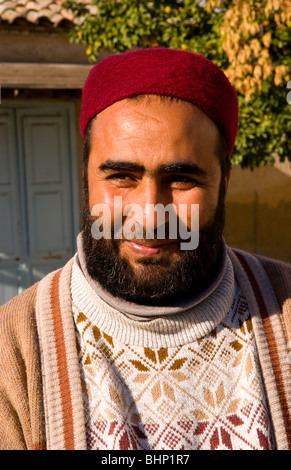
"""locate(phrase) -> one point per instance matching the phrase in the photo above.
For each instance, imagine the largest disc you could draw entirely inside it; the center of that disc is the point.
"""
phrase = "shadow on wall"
(258, 211)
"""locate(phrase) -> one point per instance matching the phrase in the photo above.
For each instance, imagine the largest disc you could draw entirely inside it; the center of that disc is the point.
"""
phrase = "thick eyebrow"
(185, 168)
(112, 165)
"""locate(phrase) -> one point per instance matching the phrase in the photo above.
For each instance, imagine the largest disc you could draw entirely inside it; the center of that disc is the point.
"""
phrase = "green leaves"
(264, 128)
(121, 25)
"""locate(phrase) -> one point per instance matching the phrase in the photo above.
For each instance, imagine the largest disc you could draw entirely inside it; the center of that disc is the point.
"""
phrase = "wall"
(39, 45)
(258, 211)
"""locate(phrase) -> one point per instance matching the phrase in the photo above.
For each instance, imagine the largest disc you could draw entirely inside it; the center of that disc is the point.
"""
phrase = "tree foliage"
(249, 40)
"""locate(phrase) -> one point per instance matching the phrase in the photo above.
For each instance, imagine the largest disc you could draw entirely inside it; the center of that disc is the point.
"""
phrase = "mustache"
(154, 226)
(163, 231)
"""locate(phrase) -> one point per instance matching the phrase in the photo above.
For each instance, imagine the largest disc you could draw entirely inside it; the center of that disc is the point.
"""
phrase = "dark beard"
(155, 285)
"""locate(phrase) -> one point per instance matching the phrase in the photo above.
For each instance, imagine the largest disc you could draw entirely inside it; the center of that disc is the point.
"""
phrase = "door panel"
(48, 183)
(43, 148)
(9, 210)
(7, 245)
(10, 227)
(46, 226)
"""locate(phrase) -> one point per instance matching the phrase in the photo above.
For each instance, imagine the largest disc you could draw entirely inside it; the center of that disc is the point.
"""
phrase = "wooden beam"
(48, 76)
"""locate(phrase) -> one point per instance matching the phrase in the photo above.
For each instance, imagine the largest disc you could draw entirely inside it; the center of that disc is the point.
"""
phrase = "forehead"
(156, 110)
(167, 129)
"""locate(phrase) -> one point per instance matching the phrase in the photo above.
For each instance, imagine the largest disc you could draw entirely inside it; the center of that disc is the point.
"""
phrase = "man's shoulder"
(26, 300)
(19, 306)
(278, 272)
(267, 262)
(18, 325)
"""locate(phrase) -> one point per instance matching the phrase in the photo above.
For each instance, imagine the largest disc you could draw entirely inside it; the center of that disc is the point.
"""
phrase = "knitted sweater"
(41, 385)
(188, 381)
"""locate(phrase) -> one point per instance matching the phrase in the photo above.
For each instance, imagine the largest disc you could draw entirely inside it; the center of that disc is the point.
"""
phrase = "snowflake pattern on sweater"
(207, 394)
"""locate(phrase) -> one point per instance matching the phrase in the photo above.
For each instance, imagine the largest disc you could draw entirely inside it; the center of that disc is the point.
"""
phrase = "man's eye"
(182, 180)
(121, 177)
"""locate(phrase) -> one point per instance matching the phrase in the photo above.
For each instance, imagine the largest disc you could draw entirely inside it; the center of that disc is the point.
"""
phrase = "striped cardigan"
(41, 404)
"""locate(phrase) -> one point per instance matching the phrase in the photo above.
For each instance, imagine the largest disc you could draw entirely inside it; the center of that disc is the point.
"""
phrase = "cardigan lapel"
(62, 389)
(270, 338)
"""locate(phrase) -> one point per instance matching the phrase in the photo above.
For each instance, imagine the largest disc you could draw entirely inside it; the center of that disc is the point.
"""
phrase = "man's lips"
(148, 248)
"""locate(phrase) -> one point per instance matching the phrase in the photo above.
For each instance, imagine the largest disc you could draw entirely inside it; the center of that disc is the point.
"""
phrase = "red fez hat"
(166, 72)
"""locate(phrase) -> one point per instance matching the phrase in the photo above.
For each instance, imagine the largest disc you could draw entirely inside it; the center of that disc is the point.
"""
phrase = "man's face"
(150, 152)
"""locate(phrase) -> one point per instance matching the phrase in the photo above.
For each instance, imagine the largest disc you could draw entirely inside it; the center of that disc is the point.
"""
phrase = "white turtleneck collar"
(191, 320)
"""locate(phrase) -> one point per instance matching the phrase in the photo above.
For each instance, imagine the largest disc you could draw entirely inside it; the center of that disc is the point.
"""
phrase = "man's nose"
(149, 197)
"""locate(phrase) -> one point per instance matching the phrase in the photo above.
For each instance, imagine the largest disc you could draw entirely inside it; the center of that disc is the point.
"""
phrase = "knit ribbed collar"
(166, 327)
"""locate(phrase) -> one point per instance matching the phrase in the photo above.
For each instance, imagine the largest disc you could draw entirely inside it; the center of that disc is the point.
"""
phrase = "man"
(156, 335)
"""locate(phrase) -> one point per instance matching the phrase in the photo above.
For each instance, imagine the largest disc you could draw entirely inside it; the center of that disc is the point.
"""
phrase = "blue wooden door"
(38, 190)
